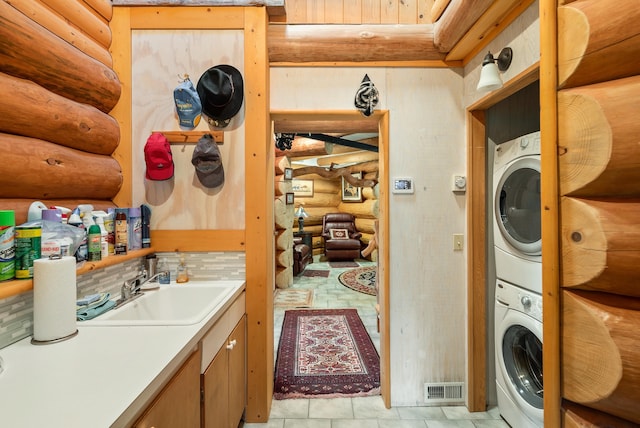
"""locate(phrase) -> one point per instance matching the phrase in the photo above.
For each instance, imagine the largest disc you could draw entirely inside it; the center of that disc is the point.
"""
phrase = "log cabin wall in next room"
(599, 180)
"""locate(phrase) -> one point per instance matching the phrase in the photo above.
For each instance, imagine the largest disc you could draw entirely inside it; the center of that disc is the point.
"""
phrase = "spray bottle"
(82, 251)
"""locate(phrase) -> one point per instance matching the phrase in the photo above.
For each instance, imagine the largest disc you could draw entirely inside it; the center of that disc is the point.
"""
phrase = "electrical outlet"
(458, 242)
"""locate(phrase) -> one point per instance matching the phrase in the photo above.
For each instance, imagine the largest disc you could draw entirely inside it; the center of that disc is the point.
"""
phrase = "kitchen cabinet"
(224, 382)
(178, 404)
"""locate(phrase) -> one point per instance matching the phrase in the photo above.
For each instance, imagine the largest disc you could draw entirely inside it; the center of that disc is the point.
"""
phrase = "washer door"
(520, 356)
(517, 205)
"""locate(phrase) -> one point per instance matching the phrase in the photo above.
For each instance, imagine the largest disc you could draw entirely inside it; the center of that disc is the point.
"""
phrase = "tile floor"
(359, 412)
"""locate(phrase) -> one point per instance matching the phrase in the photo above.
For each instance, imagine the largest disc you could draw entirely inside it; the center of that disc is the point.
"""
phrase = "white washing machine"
(518, 329)
(517, 219)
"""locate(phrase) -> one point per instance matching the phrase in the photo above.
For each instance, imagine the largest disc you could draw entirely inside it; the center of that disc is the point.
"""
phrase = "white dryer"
(517, 215)
(518, 333)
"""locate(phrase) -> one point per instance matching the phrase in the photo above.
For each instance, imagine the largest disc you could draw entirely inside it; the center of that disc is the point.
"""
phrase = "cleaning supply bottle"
(7, 245)
(110, 226)
(146, 222)
(81, 253)
(104, 241)
(135, 228)
(182, 274)
(93, 243)
(122, 231)
(165, 278)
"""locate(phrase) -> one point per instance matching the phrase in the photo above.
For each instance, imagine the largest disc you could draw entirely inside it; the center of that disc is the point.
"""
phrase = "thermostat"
(402, 185)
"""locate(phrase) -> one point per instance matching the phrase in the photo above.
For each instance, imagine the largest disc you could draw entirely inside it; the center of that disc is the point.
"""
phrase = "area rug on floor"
(361, 279)
(343, 264)
(292, 298)
(325, 353)
(315, 273)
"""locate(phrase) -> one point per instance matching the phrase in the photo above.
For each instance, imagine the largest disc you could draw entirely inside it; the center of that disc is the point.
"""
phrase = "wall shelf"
(18, 286)
(191, 137)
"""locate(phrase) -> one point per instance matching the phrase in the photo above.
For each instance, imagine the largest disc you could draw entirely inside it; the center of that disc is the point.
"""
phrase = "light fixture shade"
(489, 78)
(300, 212)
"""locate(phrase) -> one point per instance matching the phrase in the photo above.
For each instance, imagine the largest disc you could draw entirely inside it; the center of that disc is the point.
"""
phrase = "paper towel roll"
(54, 299)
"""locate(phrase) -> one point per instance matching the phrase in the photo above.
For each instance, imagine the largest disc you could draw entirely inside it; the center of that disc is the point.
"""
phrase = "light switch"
(458, 242)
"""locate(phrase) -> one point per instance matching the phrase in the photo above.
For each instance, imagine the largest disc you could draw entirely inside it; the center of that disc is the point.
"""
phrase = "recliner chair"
(339, 245)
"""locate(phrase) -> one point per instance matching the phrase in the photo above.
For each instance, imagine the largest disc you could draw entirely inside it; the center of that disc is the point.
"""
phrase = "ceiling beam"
(302, 43)
(326, 126)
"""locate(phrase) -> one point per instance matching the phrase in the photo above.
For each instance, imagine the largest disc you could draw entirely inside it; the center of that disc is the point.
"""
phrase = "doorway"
(479, 276)
(343, 122)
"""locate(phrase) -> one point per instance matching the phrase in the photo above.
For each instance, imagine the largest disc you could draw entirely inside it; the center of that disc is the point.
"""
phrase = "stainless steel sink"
(173, 304)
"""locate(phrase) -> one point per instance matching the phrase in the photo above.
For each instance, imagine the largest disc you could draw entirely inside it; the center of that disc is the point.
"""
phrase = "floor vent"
(445, 392)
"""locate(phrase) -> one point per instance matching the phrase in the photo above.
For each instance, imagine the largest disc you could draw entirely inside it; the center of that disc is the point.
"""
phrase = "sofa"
(302, 256)
(340, 236)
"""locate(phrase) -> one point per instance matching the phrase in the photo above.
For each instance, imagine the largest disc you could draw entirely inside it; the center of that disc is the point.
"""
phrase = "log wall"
(54, 57)
(283, 218)
(598, 139)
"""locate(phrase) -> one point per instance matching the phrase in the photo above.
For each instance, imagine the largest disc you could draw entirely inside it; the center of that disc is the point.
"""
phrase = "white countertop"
(102, 377)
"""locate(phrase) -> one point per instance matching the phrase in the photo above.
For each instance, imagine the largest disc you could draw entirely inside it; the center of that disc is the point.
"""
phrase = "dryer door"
(517, 205)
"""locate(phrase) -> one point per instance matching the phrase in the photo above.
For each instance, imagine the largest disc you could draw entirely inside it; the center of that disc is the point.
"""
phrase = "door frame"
(477, 235)
(330, 118)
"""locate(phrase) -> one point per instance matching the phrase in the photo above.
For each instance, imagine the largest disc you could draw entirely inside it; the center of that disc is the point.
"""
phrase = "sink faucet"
(131, 287)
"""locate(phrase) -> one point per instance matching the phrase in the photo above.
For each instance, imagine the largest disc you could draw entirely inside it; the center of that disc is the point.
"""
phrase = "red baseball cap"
(157, 155)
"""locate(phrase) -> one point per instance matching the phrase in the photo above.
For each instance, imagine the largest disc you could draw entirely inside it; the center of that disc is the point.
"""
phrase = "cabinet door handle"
(232, 344)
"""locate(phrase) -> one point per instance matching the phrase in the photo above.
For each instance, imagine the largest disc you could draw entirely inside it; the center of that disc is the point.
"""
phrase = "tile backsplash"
(16, 312)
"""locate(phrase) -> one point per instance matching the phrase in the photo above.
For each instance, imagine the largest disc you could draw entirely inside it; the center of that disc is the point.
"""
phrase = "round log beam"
(32, 52)
(601, 245)
(598, 135)
(600, 352)
(59, 119)
(351, 43)
(42, 170)
(576, 416)
(595, 45)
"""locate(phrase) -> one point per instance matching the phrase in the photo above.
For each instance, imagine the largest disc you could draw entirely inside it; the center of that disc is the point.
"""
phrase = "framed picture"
(289, 198)
(351, 193)
(302, 188)
(288, 173)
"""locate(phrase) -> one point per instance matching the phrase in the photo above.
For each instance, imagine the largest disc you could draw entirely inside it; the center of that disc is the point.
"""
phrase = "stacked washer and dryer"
(518, 295)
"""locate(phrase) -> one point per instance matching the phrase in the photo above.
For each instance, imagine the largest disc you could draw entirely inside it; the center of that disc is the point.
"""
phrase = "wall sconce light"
(489, 75)
(301, 214)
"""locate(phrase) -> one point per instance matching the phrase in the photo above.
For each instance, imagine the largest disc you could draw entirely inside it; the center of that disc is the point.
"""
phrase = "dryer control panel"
(527, 145)
(519, 299)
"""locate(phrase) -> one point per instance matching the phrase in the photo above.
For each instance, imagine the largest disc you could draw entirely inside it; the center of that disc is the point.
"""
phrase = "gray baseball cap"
(208, 162)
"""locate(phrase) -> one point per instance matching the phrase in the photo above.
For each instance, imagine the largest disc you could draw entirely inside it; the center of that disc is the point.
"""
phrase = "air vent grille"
(444, 392)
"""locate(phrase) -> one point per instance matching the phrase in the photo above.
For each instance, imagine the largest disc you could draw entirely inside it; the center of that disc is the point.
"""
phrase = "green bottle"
(93, 243)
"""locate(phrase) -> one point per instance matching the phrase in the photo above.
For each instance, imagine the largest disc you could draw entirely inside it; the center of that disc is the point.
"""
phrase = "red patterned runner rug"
(325, 353)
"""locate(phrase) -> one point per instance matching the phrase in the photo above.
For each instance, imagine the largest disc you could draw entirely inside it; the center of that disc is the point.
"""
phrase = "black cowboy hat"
(221, 93)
